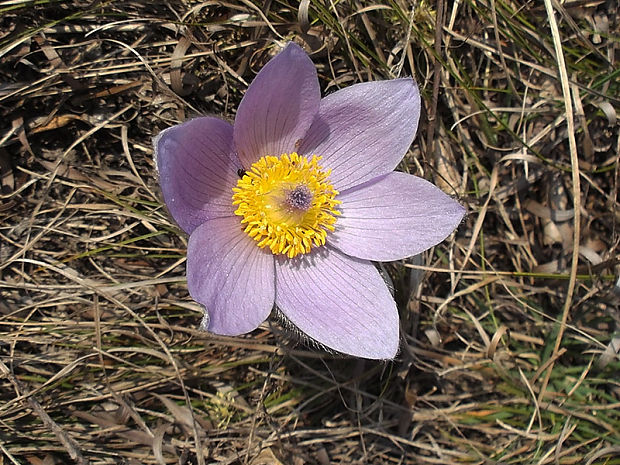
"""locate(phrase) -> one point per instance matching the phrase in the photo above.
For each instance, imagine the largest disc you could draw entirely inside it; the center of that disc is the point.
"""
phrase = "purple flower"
(290, 205)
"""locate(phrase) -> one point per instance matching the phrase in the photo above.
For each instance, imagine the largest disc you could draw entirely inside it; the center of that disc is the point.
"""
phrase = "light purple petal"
(363, 131)
(197, 170)
(339, 301)
(395, 216)
(278, 107)
(232, 277)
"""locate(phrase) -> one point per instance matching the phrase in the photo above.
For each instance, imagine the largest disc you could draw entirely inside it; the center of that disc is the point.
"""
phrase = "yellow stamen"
(287, 203)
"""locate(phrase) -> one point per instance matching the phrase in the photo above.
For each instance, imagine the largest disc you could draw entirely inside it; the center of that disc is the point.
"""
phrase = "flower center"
(287, 203)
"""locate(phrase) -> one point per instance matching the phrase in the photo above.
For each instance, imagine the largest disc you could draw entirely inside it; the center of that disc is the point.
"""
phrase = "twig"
(432, 114)
(572, 143)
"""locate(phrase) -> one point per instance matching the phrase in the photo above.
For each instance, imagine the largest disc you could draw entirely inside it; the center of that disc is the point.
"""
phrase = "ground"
(510, 327)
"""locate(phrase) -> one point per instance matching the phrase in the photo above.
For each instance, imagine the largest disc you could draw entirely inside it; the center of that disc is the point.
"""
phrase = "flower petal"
(278, 107)
(392, 217)
(232, 277)
(363, 131)
(197, 170)
(339, 301)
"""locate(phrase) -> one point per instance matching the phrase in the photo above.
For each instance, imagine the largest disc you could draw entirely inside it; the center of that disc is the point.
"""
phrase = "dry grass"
(510, 328)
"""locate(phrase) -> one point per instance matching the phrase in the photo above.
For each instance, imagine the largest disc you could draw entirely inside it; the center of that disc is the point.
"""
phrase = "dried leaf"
(266, 457)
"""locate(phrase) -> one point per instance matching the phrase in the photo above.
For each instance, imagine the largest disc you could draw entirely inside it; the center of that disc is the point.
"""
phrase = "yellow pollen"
(287, 203)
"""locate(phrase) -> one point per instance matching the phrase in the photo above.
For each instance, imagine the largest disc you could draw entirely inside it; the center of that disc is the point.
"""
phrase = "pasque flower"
(291, 204)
